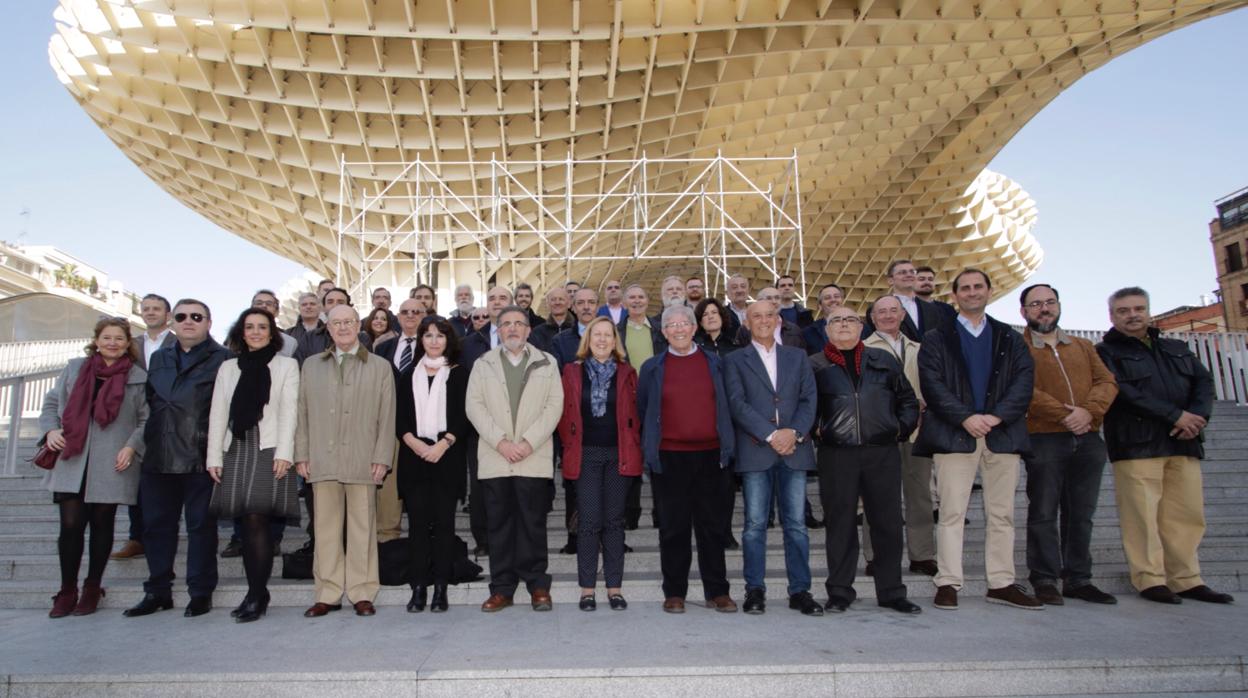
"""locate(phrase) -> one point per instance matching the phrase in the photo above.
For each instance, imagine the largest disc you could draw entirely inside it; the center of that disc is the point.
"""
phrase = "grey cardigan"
(104, 485)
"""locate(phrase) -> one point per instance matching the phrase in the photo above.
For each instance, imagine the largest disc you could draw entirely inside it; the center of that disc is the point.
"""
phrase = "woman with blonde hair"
(94, 419)
(601, 437)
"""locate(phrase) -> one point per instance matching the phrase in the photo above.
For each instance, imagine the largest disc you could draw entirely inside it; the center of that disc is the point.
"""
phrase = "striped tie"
(405, 359)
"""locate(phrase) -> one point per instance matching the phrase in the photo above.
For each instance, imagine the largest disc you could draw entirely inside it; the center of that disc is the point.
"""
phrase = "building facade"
(1228, 233)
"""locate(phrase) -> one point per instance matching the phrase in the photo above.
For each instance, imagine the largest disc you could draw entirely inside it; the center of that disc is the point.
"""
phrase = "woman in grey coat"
(94, 418)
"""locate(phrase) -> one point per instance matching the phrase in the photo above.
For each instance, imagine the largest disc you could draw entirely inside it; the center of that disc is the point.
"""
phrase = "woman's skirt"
(248, 485)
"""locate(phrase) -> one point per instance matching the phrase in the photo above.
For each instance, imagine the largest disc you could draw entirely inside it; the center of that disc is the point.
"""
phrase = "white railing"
(22, 358)
(1225, 354)
(21, 397)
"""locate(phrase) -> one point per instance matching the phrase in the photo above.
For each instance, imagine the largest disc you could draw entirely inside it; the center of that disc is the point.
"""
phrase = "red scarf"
(835, 356)
(81, 409)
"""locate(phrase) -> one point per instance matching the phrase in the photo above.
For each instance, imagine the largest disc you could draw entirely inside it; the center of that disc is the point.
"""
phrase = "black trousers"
(692, 494)
(515, 509)
(430, 494)
(1063, 483)
(476, 502)
(873, 473)
(166, 498)
(135, 511)
(632, 506)
(570, 509)
(602, 491)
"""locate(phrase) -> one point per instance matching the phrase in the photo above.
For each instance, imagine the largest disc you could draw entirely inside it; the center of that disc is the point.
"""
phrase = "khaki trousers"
(389, 508)
(916, 490)
(355, 569)
(955, 473)
(1161, 514)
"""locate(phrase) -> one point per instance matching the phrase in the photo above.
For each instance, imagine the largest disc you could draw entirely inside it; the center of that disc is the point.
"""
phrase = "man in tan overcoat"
(344, 446)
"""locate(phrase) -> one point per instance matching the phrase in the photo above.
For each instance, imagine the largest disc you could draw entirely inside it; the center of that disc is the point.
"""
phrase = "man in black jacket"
(1153, 433)
(180, 379)
(865, 407)
(976, 376)
(921, 315)
(542, 336)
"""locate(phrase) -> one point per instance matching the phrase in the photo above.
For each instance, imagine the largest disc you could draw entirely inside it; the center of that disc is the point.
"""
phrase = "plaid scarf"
(835, 356)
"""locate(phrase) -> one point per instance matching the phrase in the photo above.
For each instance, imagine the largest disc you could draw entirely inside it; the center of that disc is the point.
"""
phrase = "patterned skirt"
(248, 486)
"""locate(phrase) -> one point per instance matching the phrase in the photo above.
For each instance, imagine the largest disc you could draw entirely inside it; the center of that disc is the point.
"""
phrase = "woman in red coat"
(601, 438)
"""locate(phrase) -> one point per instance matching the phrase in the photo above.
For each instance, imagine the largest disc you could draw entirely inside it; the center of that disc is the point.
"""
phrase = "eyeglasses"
(1047, 303)
(195, 317)
(409, 311)
(480, 317)
(512, 323)
(264, 303)
(845, 320)
(678, 325)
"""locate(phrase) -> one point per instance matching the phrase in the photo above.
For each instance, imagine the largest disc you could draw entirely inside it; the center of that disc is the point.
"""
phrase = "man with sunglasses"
(180, 379)
(614, 307)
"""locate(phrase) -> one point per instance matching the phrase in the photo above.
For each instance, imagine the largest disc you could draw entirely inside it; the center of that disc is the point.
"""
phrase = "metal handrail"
(24, 358)
(21, 397)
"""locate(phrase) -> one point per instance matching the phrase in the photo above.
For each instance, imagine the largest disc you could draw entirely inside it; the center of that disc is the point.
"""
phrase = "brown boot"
(131, 549)
(63, 603)
(92, 592)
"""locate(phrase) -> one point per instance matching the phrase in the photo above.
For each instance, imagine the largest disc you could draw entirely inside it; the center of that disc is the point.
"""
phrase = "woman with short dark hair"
(94, 418)
(432, 425)
(712, 334)
(251, 442)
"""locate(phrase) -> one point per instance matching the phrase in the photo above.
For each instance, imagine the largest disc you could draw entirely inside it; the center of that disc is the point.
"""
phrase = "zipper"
(1061, 367)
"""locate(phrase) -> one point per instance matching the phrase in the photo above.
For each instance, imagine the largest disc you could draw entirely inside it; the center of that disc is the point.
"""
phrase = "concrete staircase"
(1135, 647)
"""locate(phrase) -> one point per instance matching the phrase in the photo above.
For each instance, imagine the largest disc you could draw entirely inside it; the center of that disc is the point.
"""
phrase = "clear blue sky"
(1124, 167)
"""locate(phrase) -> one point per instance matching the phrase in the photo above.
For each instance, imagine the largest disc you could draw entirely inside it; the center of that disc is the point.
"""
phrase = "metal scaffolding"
(567, 216)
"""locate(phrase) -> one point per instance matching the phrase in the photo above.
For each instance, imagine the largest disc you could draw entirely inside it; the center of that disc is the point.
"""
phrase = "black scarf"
(252, 392)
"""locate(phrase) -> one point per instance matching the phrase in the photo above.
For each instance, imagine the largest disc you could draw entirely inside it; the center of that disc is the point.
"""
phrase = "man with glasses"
(1073, 391)
(687, 441)
(695, 291)
(344, 446)
(514, 401)
(977, 378)
(156, 315)
(614, 307)
(771, 394)
(180, 379)
(318, 340)
(866, 406)
(921, 315)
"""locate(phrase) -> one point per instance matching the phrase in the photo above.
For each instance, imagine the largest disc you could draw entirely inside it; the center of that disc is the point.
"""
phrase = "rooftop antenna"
(25, 216)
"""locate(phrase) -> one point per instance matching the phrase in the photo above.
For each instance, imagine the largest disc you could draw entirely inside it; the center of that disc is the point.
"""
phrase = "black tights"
(257, 553)
(75, 515)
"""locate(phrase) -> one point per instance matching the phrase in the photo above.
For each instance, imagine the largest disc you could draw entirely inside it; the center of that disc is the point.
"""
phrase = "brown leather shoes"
(723, 604)
(674, 604)
(319, 609)
(131, 549)
(946, 597)
(364, 608)
(541, 600)
(497, 602)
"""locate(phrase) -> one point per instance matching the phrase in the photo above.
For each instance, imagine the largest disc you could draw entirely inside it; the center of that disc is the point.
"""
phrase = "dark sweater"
(688, 406)
(977, 353)
(599, 431)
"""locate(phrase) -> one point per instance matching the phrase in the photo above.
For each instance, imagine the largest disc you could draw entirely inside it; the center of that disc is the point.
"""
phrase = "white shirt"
(911, 306)
(616, 312)
(493, 336)
(398, 350)
(339, 354)
(692, 348)
(769, 360)
(151, 345)
(898, 344)
(516, 359)
(739, 313)
(975, 331)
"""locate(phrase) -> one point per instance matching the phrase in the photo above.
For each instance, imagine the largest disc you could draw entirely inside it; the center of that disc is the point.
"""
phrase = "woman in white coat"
(251, 441)
(94, 419)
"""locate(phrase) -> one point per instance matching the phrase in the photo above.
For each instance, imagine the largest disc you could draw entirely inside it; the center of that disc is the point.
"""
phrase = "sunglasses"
(411, 312)
(195, 317)
(480, 317)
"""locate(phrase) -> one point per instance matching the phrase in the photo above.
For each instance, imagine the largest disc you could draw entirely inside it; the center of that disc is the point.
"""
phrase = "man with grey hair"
(1153, 434)
(738, 299)
(461, 316)
(672, 291)
(558, 300)
(309, 316)
(687, 440)
(786, 333)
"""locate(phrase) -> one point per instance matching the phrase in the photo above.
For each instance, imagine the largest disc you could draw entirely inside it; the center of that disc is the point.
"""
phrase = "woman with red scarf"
(94, 419)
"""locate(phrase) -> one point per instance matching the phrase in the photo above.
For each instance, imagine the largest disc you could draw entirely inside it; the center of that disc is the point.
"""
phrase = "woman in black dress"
(251, 442)
(431, 424)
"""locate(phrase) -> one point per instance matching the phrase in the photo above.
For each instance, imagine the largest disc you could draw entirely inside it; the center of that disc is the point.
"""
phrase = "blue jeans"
(791, 490)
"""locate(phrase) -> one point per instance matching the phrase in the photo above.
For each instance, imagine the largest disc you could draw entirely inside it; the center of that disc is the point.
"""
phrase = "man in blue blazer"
(771, 394)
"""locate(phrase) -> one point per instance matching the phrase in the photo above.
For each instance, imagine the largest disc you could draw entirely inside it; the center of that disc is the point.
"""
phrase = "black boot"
(438, 605)
(420, 596)
(238, 611)
(253, 609)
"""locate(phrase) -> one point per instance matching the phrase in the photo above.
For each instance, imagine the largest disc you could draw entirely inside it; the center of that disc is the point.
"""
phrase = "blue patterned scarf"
(600, 375)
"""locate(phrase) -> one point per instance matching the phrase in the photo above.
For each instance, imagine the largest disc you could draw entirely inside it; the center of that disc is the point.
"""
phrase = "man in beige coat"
(887, 315)
(344, 445)
(515, 399)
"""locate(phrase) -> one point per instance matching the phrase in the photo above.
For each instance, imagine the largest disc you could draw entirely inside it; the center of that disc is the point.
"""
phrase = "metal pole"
(17, 388)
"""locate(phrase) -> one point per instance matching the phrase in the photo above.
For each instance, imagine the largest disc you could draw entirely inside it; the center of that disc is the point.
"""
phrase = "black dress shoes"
(1160, 594)
(732, 543)
(420, 596)
(198, 606)
(804, 602)
(1204, 593)
(438, 605)
(150, 604)
(1091, 594)
(482, 550)
(253, 610)
(812, 523)
(239, 609)
(755, 602)
(902, 606)
(837, 604)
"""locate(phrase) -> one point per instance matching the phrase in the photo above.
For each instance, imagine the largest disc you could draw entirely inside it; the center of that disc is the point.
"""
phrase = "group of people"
(754, 393)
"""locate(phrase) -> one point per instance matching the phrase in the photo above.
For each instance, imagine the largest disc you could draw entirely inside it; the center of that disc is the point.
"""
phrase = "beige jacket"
(489, 410)
(346, 417)
(910, 366)
(277, 423)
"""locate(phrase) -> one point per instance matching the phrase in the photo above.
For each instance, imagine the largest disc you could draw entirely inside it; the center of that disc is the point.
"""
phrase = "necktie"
(405, 359)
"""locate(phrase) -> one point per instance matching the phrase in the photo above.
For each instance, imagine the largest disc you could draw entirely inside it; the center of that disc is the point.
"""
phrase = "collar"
(764, 351)
(644, 322)
(580, 329)
(159, 338)
(355, 350)
(524, 352)
(1039, 343)
(692, 348)
(966, 322)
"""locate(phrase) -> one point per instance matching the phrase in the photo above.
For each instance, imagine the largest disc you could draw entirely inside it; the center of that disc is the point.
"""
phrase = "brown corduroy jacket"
(1069, 373)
